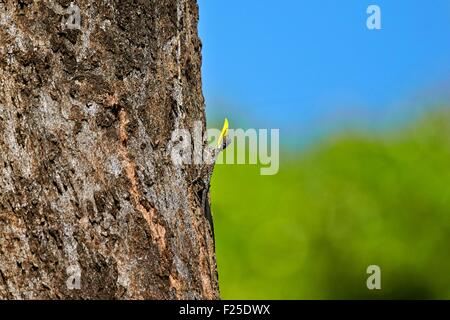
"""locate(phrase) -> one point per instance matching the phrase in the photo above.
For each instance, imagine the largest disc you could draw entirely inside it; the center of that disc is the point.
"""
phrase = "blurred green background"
(350, 201)
(365, 147)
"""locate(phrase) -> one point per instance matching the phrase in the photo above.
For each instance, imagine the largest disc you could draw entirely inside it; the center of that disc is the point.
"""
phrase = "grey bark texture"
(91, 205)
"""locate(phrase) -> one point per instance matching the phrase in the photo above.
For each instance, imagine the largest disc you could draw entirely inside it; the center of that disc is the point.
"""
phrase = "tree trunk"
(91, 205)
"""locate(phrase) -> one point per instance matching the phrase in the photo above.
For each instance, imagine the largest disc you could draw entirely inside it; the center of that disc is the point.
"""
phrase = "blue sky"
(301, 65)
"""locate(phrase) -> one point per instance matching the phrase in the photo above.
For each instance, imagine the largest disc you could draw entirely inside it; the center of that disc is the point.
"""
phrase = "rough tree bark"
(91, 205)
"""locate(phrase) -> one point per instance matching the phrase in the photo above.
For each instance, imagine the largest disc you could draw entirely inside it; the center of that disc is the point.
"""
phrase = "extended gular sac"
(91, 205)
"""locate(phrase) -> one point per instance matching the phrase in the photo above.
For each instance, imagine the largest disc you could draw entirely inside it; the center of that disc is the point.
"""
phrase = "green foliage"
(353, 201)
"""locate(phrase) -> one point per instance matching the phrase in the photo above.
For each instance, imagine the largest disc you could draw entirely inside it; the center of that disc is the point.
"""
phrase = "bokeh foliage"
(353, 200)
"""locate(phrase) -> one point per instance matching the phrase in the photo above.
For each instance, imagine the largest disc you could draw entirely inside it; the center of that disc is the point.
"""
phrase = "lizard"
(207, 171)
